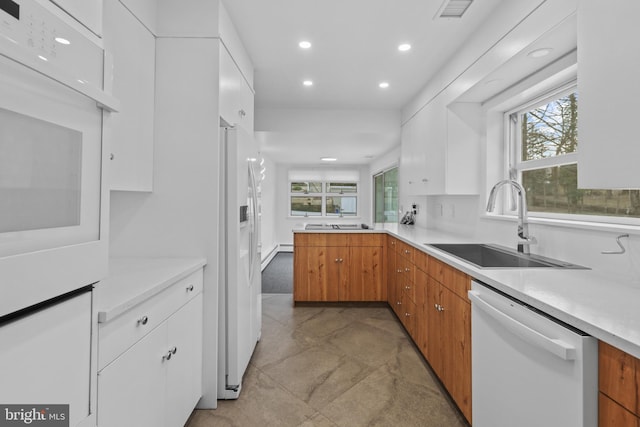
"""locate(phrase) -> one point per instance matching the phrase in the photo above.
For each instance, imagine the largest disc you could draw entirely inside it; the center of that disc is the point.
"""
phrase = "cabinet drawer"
(117, 335)
(407, 251)
(321, 239)
(392, 244)
(611, 414)
(456, 281)
(408, 273)
(618, 376)
(366, 239)
(421, 260)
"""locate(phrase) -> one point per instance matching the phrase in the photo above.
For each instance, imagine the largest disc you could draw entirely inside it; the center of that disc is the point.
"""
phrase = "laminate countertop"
(589, 300)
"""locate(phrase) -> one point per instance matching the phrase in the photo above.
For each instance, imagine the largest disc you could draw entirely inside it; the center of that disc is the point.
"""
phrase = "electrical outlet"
(414, 208)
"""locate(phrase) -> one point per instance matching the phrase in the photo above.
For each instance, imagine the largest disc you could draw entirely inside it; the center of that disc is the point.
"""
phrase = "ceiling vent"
(453, 8)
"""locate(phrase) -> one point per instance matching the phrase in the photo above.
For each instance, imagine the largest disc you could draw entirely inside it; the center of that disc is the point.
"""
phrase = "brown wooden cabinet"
(339, 267)
(448, 337)
(618, 383)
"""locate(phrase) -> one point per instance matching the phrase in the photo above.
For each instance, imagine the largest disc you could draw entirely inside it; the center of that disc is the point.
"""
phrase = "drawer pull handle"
(190, 288)
(170, 353)
(407, 287)
(143, 320)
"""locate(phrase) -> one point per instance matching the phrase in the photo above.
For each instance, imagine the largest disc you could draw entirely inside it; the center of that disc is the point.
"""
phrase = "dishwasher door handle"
(554, 346)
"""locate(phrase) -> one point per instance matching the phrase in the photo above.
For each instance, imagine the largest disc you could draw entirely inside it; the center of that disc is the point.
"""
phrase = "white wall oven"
(52, 102)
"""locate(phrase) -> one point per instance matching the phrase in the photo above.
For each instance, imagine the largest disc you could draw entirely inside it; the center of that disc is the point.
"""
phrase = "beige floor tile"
(331, 366)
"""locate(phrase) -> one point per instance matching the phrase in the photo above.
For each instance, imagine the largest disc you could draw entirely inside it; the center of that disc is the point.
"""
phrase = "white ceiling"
(354, 48)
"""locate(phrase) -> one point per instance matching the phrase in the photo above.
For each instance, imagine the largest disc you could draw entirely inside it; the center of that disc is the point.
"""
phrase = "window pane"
(345, 205)
(555, 190)
(391, 195)
(551, 129)
(342, 187)
(379, 197)
(306, 206)
(306, 187)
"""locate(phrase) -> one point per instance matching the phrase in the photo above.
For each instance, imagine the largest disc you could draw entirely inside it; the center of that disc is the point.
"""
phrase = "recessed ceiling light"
(384, 85)
(404, 47)
(62, 40)
(308, 83)
(328, 159)
(539, 53)
(304, 44)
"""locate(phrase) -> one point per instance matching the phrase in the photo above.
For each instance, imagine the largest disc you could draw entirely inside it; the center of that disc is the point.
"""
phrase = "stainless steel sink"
(494, 256)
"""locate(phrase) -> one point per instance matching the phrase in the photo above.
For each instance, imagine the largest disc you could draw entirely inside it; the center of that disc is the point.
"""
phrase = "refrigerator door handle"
(533, 337)
(253, 230)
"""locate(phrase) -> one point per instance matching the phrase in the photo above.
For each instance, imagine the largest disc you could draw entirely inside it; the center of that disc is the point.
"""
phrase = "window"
(307, 198)
(544, 146)
(386, 196)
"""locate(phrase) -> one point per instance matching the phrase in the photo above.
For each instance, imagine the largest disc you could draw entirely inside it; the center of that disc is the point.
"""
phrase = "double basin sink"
(494, 256)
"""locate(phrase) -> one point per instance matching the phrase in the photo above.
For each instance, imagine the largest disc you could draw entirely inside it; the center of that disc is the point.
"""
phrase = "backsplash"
(463, 215)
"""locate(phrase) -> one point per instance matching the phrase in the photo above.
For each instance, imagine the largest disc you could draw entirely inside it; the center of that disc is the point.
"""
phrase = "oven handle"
(554, 346)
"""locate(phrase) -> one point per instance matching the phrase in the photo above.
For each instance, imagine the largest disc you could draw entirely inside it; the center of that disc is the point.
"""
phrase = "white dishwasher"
(528, 369)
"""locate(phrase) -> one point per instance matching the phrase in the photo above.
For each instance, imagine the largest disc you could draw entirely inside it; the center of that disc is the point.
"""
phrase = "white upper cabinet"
(608, 90)
(130, 132)
(440, 147)
(87, 12)
(236, 97)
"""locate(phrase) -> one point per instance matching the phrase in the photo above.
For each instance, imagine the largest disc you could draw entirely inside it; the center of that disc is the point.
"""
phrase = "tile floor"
(333, 366)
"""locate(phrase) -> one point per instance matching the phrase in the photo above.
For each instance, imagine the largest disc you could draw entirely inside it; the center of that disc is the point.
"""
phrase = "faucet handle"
(524, 243)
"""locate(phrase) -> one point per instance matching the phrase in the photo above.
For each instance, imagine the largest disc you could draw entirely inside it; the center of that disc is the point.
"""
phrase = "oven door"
(51, 162)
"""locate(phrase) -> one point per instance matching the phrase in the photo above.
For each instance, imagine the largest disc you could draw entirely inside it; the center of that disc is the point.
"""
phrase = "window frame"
(514, 164)
(324, 195)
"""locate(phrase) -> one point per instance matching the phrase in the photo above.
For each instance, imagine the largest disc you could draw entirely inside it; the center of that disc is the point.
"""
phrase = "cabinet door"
(456, 349)
(130, 132)
(422, 160)
(184, 369)
(434, 328)
(611, 414)
(608, 84)
(236, 97)
(131, 390)
(421, 310)
(618, 376)
(391, 275)
(365, 275)
(317, 273)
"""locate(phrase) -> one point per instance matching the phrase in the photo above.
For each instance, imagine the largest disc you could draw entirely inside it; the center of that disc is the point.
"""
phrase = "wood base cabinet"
(338, 267)
(618, 383)
(448, 337)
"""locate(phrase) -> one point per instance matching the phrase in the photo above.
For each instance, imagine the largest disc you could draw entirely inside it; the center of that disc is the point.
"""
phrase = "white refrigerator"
(240, 302)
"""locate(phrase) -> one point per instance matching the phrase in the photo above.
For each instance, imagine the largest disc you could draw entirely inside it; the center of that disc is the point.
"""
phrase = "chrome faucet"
(523, 225)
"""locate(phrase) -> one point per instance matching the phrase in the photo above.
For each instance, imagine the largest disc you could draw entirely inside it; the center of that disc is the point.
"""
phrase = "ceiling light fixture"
(308, 83)
(62, 40)
(384, 85)
(304, 44)
(328, 159)
(404, 47)
(539, 53)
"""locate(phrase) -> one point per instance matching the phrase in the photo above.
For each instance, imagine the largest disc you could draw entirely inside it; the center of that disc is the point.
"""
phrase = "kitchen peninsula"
(419, 278)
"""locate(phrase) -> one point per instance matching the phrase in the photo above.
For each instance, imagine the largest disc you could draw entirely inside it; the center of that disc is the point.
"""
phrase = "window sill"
(575, 224)
(324, 218)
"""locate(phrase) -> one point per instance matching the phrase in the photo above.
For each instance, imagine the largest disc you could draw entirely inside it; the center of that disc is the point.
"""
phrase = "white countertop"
(586, 299)
(133, 280)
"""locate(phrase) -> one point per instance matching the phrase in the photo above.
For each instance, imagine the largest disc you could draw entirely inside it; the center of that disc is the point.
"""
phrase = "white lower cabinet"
(156, 381)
